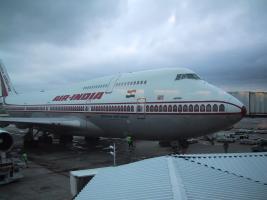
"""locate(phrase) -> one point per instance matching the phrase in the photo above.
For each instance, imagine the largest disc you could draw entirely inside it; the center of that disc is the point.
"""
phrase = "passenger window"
(156, 109)
(190, 108)
(208, 108)
(160, 108)
(151, 108)
(147, 108)
(180, 108)
(174, 108)
(169, 108)
(185, 108)
(196, 108)
(215, 108)
(202, 108)
(128, 108)
(221, 108)
(132, 108)
(165, 108)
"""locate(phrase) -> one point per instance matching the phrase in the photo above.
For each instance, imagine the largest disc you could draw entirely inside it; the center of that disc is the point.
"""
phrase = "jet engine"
(6, 141)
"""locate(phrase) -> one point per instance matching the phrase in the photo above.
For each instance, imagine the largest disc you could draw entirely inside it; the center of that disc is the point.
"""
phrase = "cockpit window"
(187, 76)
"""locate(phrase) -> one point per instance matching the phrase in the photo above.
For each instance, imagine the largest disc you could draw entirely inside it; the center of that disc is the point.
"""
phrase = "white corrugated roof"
(87, 172)
(206, 176)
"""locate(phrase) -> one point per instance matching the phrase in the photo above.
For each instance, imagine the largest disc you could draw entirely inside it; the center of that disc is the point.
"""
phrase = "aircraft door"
(141, 108)
(111, 84)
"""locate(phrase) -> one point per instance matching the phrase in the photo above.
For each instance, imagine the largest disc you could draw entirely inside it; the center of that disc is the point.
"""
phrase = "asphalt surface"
(48, 174)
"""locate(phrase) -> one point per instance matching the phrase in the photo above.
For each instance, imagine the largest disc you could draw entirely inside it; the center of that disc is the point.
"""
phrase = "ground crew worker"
(25, 159)
(129, 141)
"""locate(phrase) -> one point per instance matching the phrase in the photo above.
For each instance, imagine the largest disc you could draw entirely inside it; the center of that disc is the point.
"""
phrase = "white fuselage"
(147, 105)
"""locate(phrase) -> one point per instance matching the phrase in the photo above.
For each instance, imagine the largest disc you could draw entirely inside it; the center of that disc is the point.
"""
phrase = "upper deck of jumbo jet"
(174, 83)
(100, 83)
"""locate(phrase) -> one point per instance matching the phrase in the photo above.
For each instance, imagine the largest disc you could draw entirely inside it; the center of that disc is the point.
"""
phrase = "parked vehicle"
(261, 147)
(248, 141)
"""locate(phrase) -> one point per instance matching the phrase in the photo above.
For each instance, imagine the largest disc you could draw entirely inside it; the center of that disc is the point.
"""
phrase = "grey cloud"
(61, 42)
(59, 22)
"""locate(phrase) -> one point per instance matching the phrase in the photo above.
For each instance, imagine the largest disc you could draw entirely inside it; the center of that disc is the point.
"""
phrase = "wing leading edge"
(74, 123)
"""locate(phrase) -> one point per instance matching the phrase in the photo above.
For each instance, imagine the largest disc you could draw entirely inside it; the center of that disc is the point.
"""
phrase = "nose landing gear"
(178, 146)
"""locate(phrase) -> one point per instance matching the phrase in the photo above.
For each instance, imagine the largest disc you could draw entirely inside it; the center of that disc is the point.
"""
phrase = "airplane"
(160, 104)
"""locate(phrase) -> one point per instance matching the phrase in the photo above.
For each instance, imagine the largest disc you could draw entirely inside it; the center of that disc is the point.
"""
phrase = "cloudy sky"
(45, 44)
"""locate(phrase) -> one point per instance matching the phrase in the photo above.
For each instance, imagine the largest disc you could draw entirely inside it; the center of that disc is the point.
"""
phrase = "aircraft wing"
(42, 121)
(51, 123)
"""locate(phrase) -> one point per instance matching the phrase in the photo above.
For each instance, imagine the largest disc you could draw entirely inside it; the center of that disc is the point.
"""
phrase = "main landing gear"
(35, 137)
(183, 146)
(28, 139)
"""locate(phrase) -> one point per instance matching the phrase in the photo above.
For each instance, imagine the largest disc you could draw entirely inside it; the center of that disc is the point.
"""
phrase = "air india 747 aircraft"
(161, 104)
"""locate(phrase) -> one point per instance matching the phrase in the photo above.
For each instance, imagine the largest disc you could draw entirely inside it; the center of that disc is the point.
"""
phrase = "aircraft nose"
(236, 107)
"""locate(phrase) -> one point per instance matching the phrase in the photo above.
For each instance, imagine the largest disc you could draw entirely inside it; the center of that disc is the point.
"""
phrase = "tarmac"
(47, 176)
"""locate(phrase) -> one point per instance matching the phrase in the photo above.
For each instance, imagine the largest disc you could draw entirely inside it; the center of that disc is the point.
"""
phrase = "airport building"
(199, 176)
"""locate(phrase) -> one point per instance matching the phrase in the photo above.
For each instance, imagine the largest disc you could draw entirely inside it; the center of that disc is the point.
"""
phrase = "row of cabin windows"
(118, 108)
(117, 84)
(36, 108)
(68, 108)
(128, 108)
(121, 84)
(95, 86)
(186, 108)
(15, 108)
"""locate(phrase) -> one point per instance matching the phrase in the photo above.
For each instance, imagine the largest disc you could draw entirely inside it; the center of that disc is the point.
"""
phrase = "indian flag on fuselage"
(130, 93)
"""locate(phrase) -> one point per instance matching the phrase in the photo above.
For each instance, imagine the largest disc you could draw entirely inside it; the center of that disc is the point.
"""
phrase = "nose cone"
(235, 106)
(235, 111)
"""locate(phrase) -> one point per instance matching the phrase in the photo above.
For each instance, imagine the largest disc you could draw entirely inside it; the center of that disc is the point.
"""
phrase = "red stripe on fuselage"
(130, 103)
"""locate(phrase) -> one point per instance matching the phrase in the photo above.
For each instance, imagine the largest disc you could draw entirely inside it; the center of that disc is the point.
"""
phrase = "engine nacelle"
(6, 141)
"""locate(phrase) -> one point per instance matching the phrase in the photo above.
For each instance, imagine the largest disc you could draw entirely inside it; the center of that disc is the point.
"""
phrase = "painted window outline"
(208, 108)
(221, 108)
